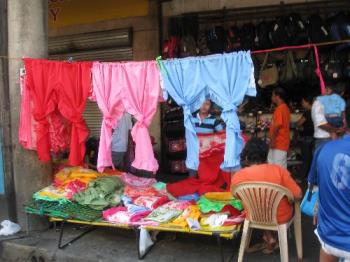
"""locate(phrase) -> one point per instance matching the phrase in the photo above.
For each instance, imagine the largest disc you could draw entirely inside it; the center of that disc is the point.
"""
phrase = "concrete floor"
(119, 245)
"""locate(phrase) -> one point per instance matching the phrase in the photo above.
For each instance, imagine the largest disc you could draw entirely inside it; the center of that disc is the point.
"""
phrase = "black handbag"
(306, 68)
(333, 68)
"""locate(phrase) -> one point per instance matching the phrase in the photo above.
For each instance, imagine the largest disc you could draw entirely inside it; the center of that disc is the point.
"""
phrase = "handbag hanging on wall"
(268, 75)
(288, 71)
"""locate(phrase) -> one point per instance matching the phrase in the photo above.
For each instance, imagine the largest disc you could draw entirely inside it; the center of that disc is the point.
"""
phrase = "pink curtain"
(107, 92)
(140, 90)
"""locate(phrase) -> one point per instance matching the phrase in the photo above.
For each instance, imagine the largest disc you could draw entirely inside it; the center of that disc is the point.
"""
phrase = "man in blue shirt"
(330, 170)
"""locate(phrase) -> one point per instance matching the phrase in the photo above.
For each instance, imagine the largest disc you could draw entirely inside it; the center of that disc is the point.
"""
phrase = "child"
(334, 105)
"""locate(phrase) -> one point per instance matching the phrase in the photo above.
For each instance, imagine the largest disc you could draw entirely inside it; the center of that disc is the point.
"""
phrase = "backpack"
(296, 29)
(171, 48)
(233, 39)
(279, 36)
(216, 40)
(262, 40)
(317, 29)
(340, 29)
(202, 44)
(188, 46)
(247, 36)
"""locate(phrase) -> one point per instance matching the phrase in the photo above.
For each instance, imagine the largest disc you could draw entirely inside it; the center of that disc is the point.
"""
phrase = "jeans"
(306, 148)
(321, 141)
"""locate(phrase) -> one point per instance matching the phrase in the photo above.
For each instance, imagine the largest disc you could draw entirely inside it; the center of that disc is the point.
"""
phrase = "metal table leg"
(63, 246)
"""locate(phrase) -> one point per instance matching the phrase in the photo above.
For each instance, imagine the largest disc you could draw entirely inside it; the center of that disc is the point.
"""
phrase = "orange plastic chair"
(261, 200)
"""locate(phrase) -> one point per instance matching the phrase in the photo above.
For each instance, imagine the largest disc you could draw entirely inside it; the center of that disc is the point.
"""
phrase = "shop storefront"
(106, 63)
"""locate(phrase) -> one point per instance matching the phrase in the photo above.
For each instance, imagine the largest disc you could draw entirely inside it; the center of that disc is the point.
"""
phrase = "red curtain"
(74, 89)
(39, 82)
(59, 88)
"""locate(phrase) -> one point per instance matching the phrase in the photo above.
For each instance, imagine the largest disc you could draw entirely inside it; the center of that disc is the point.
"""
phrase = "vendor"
(306, 133)
(120, 141)
(205, 123)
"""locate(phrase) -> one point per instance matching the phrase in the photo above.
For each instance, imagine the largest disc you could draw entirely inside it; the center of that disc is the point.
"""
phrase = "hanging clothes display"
(140, 84)
(74, 83)
(26, 132)
(229, 78)
(107, 92)
(59, 89)
(42, 88)
(224, 78)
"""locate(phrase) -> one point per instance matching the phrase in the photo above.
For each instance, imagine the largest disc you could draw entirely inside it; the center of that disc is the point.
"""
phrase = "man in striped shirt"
(204, 122)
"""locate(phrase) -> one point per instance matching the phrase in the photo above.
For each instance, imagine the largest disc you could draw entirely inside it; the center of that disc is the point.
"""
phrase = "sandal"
(256, 248)
(270, 251)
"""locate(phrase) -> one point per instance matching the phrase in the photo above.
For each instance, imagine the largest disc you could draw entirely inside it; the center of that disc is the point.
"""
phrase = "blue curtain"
(230, 77)
(224, 78)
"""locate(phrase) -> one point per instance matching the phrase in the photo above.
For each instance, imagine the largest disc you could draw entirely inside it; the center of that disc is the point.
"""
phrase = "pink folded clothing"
(178, 204)
(112, 211)
(136, 181)
(151, 202)
(121, 215)
(134, 192)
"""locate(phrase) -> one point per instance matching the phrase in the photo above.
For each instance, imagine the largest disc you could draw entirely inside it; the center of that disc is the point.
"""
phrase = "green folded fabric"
(101, 193)
(207, 205)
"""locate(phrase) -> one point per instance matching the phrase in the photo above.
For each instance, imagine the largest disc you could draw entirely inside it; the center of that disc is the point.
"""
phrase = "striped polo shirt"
(208, 125)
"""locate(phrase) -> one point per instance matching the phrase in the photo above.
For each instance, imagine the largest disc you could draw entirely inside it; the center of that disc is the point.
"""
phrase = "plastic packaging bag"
(145, 241)
(9, 228)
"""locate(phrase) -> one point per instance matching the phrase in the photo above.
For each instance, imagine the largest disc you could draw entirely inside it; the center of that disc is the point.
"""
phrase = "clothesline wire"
(300, 46)
(257, 51)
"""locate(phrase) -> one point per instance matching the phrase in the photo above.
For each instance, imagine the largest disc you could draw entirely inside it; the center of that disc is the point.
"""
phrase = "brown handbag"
(268, 75)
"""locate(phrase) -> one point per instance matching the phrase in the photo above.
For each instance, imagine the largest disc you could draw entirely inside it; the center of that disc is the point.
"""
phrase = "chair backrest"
(261, 200)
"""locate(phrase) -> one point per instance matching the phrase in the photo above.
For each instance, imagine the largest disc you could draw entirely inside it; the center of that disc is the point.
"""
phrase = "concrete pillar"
(28, 37)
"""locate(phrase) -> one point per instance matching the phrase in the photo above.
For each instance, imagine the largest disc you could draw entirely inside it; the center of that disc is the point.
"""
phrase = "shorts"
(333, 251)
(118, 160)
(277, 157)
(335, 121)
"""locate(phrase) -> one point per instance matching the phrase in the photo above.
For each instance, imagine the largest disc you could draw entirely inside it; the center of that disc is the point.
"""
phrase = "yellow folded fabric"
(219, 196)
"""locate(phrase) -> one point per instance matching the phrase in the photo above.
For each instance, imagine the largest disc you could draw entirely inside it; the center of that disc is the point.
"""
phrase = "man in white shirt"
(322, 129)
(120, 140)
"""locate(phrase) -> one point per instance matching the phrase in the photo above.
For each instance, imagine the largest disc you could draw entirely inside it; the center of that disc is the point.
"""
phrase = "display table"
(87, 227)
